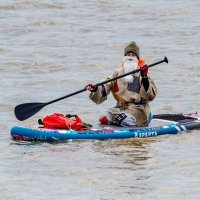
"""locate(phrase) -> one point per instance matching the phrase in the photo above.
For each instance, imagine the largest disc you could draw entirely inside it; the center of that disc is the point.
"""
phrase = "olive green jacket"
(131, 96)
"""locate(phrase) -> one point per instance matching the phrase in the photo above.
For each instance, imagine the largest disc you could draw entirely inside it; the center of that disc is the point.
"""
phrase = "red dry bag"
(60, 121)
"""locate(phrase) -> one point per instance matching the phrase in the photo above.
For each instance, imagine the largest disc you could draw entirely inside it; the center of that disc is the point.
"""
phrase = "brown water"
(49, 49)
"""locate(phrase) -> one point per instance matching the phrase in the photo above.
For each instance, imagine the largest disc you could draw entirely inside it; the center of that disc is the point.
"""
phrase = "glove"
(144, 70)
(91, 88)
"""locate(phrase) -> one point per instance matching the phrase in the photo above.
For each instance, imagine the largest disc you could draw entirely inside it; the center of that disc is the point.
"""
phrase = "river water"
(51, 48)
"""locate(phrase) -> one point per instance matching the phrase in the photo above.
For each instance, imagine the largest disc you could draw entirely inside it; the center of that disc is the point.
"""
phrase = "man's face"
(131, 54)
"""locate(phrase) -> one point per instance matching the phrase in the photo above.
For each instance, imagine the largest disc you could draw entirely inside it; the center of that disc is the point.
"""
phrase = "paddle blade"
(26, 110)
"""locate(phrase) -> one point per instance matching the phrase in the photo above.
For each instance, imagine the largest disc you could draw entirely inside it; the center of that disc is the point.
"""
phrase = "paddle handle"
(132, 72)
(107, 81)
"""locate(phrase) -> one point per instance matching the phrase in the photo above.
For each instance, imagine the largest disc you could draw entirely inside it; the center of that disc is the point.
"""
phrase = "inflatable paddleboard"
(160, 125)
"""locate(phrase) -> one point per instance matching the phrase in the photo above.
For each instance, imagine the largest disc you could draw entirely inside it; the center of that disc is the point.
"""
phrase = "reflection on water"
(134, 152)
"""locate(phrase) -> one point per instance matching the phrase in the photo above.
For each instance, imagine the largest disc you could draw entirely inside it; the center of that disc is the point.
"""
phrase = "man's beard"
(129, 63)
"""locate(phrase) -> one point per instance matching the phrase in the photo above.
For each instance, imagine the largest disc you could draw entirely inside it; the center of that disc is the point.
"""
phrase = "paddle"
(26, 110)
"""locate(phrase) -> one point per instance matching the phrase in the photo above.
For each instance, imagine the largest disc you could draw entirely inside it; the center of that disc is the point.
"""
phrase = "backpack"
(60, 121)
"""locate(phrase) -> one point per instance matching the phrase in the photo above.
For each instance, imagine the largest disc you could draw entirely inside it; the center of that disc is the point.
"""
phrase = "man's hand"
(91, 88)
(144, 70)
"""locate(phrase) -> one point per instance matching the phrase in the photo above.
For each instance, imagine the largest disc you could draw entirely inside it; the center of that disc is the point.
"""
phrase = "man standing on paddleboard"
(132, 92)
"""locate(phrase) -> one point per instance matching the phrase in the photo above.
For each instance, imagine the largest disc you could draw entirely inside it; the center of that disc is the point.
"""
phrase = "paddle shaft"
(107, 81)
(26, 110)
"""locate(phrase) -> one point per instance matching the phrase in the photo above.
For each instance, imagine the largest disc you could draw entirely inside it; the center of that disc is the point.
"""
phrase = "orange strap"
(141, 63)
